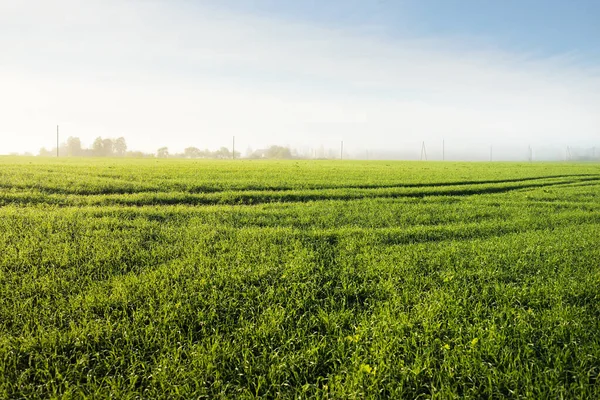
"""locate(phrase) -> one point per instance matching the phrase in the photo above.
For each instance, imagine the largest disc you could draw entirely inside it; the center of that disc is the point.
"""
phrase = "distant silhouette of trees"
(98, 147)
(108, 147)
(105, 147)
(163, 152)
(279, 152)
(273, 152)
(222, 153)
(192, 152)
(73, 147)
(120, 146)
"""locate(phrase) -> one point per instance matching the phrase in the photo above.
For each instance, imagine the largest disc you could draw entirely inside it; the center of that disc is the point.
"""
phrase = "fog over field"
(370, 74)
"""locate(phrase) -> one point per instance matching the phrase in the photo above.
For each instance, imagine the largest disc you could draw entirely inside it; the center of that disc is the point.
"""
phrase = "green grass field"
(205, 279)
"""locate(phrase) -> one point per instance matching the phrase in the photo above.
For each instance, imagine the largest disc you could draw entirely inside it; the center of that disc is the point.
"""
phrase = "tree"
(223, 152)
(163, 152)
(98, 147)
(120, 146)
(108, 147)
(278, 152)
(192, 152)
(206, 153)
(73, 147)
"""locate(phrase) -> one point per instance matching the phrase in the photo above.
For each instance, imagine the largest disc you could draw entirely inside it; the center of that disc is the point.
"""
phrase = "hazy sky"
(375, 73)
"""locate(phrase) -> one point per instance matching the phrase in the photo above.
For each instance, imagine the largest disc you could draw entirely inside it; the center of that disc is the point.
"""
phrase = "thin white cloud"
(180, 74)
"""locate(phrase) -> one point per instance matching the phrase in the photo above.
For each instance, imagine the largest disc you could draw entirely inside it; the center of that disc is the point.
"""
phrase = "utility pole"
(233, 152)
(57, 140)
(342, 151)
(443, 150)
(490, 153)
(423, 152)
(530, 154)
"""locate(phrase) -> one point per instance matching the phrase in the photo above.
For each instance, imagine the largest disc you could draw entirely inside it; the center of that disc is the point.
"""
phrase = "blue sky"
(543, 26)
(374, 73)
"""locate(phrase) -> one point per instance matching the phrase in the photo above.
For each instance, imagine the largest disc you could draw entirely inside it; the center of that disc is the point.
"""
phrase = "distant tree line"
(100, 148)
(273, 152)
(193, 152)
(104, 147)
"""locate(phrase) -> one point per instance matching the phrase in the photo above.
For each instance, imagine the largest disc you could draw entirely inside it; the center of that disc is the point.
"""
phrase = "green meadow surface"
(298, 279)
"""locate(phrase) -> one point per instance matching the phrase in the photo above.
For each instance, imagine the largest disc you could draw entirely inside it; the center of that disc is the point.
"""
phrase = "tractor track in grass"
(289, 196)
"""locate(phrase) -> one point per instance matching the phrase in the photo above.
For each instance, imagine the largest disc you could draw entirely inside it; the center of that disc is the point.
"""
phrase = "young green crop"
(220, 279)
